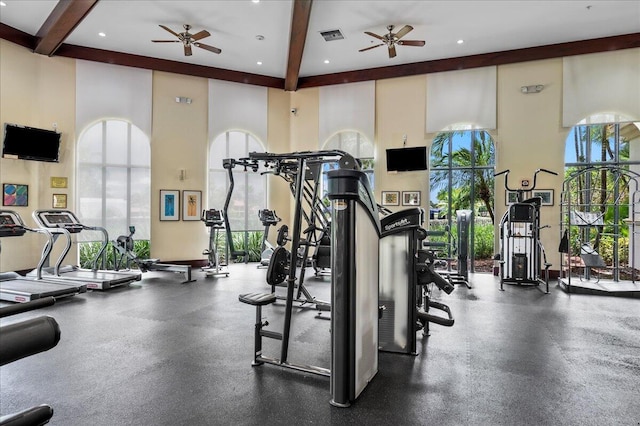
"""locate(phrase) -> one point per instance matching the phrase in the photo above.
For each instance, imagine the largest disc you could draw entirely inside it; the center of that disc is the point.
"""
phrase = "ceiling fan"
(391, 39)
(189, 40)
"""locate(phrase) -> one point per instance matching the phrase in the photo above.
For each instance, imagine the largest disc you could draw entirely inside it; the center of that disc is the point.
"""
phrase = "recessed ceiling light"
(259, 62)
(460, 41)
(260, 37)
(326, 61)
(2, 3)
(255, 1)
(101, 34)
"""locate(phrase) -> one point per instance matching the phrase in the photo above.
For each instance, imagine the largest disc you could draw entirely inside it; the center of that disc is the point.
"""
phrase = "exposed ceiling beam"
(60, 23)
(299, 27)
(605, 44)
(145, 62)
(16, 36)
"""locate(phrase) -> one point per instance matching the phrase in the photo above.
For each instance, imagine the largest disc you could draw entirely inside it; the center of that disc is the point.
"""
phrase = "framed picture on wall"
(410, 198)
(169, 204)
(510, 197)
(59, 201)
(546, 195)
(191, 205)
(14, 194)
(390, 198)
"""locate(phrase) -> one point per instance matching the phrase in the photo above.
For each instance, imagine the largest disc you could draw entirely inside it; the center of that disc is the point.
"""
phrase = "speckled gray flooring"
(163, 353)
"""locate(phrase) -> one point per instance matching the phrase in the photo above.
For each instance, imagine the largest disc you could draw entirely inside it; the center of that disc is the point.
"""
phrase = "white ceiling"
(485, 26)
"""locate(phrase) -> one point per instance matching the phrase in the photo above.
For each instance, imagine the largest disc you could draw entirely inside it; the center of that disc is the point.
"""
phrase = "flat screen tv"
(29, 143)
(407, 159)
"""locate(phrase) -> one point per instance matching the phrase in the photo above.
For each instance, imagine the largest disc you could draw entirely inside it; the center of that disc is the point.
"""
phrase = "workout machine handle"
(27, 338)
(6, 311)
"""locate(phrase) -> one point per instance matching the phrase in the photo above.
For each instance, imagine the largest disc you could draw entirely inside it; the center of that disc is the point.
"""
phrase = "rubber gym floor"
(159, 352)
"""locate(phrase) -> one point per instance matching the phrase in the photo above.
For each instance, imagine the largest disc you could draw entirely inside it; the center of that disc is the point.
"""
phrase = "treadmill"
(64, 222)
(16, 288)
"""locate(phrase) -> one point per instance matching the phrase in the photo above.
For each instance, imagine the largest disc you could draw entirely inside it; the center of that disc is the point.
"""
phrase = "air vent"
(331, 35)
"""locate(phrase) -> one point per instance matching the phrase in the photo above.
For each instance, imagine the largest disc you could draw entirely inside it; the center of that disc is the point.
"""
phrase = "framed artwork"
(191, 205)
(169, 204)
(510, 197)
(390, 198)
(545, 194)
(410, 198)
(15, 194)
(59, 201)
(58, 182)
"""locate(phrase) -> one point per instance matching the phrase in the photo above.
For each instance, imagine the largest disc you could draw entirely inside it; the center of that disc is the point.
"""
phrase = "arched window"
(461, 178)
(250, 190)
(114, 179)
(357, 145)
(602, 171)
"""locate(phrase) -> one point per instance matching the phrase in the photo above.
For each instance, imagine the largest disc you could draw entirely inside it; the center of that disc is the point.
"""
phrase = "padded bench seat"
(257, 299)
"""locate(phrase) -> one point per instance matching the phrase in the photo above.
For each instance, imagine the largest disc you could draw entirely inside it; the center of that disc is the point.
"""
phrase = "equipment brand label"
(401, 222)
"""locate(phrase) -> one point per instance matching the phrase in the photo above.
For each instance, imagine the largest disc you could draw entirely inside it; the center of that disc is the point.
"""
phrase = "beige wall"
(530, 136)
(178, 141)
(400, 111)
(39, 91)
(36, 91)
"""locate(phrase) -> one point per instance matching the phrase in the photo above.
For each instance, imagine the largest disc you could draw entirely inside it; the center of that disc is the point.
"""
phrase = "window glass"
(114, 189)
(117, 139)
(461, 178)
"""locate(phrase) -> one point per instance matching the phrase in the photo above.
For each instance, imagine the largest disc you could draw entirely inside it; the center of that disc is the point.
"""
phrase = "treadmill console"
(59, 219)
(10, 225)
(212, 217)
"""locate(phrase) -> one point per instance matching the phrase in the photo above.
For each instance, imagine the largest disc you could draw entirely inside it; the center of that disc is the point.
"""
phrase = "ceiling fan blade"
(404, 31)
(392, 51)
(207, 47)
(411, 42)
(369, 48)
(166, 41)
(374, 35)
(200, 35)
(187, 50)
(170, 30)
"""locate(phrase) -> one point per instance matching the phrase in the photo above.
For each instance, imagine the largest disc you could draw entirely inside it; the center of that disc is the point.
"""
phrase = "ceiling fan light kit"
(392, 39)
(187, 39)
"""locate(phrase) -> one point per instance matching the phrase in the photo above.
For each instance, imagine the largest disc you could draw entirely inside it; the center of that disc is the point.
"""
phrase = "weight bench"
(259, 300)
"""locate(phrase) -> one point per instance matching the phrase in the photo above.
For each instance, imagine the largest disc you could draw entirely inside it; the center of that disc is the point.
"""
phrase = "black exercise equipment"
(23, 339)
(283, 263)
(268, 218)
(213, 220)
(124, 255)
(521, 252)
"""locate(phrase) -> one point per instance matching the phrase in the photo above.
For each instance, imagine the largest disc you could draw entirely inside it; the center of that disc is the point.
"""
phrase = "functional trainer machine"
(124, 255)
(15, 288)
(213, 220)
(66, 223)
(521, 252)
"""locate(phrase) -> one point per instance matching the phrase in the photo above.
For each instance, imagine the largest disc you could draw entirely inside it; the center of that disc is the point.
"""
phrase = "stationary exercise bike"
(213, 220)
(268, 219)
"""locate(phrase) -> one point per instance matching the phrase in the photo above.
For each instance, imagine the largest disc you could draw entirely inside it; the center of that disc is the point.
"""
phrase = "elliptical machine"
(213, 220)
(522, 254)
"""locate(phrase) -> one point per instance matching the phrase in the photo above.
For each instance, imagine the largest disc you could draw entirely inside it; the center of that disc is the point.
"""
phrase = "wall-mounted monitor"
(407, 159)
(29, 143)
